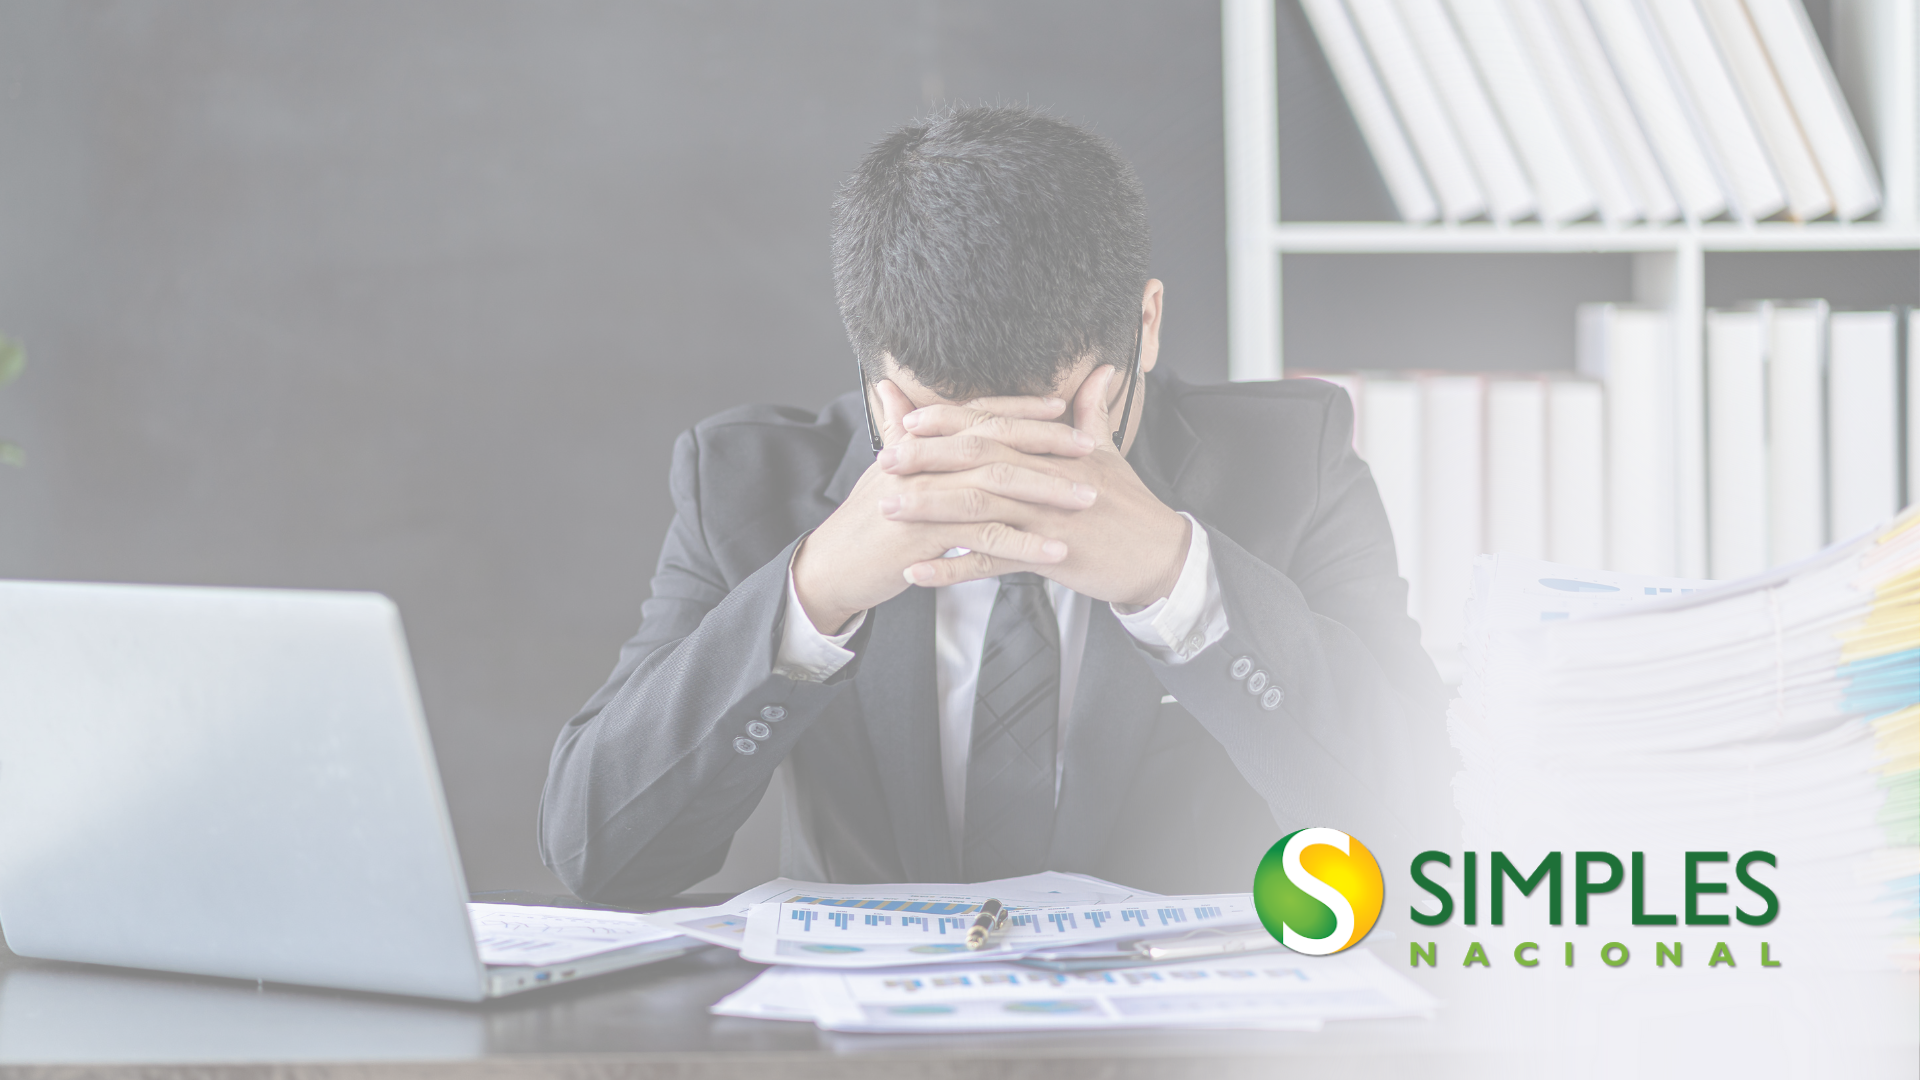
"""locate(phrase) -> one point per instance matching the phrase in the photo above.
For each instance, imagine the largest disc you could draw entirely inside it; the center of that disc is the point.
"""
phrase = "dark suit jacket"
(646, 786)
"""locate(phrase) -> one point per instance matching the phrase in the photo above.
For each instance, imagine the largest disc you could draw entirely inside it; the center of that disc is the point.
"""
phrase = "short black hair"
(989, 248)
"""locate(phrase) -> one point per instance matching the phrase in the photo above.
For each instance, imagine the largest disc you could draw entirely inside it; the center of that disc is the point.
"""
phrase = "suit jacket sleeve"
(1357, 739)
(647, 786)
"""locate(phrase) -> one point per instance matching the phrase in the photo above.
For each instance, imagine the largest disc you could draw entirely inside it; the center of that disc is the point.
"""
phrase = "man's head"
(989, 251)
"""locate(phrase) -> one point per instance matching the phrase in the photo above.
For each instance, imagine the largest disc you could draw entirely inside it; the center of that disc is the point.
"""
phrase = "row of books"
(1625, 110)
(1473, 463)
(1804, 414)
(1805, 430)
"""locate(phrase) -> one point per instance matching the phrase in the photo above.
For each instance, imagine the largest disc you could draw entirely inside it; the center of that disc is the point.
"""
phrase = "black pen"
(993, 914)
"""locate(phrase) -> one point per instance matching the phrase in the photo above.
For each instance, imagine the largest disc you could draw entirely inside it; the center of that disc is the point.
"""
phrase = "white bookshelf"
(1876, 50)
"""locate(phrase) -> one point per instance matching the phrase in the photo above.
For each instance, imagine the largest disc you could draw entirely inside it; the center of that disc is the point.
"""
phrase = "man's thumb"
(894, 408)
(1090, 404)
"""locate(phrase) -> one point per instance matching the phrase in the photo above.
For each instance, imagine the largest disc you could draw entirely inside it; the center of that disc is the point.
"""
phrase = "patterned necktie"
(1016, 707)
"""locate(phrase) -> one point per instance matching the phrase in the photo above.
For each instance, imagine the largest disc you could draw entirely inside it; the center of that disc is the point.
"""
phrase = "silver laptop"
(234, 782)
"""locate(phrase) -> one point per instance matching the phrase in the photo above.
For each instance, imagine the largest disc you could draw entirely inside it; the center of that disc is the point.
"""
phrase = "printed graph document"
(531, 936)
(1274, 992)
(893, 933)
(1510, 592)
(726, 924)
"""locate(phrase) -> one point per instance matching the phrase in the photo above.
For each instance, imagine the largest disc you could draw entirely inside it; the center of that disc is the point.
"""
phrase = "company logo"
(1318, 891)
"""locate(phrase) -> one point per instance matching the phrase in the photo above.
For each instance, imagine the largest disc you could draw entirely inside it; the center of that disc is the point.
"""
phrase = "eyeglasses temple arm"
(866, 410)
(1133, 374)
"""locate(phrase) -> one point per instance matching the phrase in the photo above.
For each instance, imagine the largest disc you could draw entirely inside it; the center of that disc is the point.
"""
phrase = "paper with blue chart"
(890, 932)
(1268, 991)
(726, 924)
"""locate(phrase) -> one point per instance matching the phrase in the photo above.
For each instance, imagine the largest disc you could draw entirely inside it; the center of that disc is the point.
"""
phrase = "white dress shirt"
(1174, 628)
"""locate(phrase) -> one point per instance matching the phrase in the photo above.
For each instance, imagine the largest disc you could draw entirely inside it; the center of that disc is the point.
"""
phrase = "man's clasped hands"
(1021, 483)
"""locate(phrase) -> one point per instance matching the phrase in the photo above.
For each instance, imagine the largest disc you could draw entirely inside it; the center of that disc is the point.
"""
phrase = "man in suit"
(1023, 603)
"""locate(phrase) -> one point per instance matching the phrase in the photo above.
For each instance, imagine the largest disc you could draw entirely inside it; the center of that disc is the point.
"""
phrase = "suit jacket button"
(1272, 698)
(744, 745)
(1240, 668)
(773, 714)
(759, 730)
(1256, 682)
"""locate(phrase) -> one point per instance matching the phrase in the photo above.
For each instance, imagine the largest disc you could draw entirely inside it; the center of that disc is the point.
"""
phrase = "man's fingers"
(992, 547)
(1025, 435)
(937, 572)
(1090, 409)
(894, 408)
(996, 492)
(959, 453)
(1024, 408)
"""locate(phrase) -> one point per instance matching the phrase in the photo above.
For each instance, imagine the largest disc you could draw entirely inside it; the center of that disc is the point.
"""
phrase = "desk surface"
(70, 1020)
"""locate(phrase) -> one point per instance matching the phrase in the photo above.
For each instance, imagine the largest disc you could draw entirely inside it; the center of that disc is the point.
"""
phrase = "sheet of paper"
(778, 993)
(898, 932)
(1283, 991)
(534, 936)
(726, 924)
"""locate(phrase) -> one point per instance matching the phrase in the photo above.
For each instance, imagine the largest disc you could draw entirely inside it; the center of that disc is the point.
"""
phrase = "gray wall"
(415, 296)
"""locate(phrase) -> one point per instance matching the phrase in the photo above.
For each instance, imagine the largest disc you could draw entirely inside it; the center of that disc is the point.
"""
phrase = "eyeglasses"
(1126, 414)
(1119, 437)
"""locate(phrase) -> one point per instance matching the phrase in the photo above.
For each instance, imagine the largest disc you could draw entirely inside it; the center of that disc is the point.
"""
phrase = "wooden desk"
(68, 1021)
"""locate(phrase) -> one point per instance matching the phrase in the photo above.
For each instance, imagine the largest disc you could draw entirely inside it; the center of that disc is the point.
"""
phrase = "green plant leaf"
(12, 454)
(13, 360)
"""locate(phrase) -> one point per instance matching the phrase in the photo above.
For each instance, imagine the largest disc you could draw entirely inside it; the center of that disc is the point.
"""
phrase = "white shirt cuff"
(806, 654)
(1187, 621)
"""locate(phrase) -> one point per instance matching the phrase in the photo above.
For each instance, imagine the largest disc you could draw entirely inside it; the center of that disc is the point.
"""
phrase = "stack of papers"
(1779, 713)
(893, 958)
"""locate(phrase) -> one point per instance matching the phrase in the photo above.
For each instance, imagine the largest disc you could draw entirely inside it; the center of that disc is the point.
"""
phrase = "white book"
(1724, 125)
(1452, 472)
(1910, 429)
(1517, 467)
(1796, 430)
(1630, 349)
(1737, 520)
(1690, 458)
(1810, 86)
(1863, 420)
(1513, 79)
(1371, 110)
(1875, 51)
(1660, 105)
(1416, 100)
(1392, 453)
(1576, 472)
(1806, 189)
(1509, 194)
(1630, 148)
